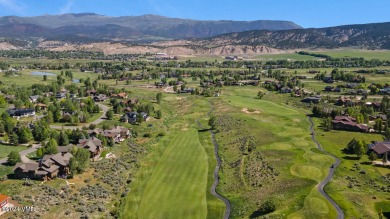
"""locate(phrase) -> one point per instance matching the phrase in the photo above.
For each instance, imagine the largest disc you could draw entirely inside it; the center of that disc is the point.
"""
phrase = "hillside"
(127, 28)
(374, 36)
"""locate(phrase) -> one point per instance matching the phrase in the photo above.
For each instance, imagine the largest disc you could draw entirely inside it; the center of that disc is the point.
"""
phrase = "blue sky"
(307, 13)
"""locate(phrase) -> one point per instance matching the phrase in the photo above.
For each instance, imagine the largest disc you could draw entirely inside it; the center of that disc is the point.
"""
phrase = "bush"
(268, 206)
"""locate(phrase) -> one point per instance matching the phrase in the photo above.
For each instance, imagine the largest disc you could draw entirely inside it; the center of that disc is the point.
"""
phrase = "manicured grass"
(176, 189)
(357, 201)
(285, 56)
(281, 134)
(6, 149)
(367, 54)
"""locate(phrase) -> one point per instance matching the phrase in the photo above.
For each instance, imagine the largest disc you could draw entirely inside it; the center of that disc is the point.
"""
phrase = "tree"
(63, 139)
(80, 160)
(359, 149)
(158, 114)
(378, 125)
(110, 114)
(267, 207)
(5, 138)
(140, 118)
(3, 103)
(51, 147)
(327, 123)
(13, 158)
(372, 156)
(44, 77)
(385, 158)
(260, 94)
(40, 152)
(159, 97)
(14, 139)
(24, 134)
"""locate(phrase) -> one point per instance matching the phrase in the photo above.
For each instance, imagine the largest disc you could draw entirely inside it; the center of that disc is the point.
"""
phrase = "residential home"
(41, 106)
(21, 112)
(33, 99)
(132, 117)
(100, 98)
(60, 95)
(380, 148)
(348, 123)
(314, 99)
(49, 167)
(93, 145)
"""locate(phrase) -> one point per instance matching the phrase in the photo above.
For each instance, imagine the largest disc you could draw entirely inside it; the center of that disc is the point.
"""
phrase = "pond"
(76, 80)
(38, 73)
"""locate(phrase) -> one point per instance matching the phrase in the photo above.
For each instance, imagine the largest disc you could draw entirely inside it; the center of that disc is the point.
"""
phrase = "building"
(117, 134)
(33, 99)
(49, 167)
(21, 112)
(348, 123)
(93, 145)
(315, 100)
(131, 117)
(380, 148)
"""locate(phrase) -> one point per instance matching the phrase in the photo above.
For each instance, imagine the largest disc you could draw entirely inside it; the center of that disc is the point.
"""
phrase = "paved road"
(97, 121)
(216, 170)
(340, 213)
(23, 154)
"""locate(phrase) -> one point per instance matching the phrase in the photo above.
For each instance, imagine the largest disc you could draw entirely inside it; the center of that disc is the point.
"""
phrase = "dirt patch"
(250, 111)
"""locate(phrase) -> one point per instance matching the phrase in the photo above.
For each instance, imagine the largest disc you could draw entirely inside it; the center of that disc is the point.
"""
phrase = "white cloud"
(67, 8)
(12, 6)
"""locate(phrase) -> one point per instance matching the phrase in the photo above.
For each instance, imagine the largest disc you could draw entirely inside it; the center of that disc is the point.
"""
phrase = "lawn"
(358, 200)
(176, 189)
(6, 149)
(281, 140)
(357, 53)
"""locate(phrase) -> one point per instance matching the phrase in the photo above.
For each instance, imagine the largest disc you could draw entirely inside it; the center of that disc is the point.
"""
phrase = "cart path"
(216, 170)
(340, 213)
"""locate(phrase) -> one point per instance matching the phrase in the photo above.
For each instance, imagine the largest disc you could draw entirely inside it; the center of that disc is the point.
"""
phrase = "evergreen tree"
(51, 147)
(13, 158)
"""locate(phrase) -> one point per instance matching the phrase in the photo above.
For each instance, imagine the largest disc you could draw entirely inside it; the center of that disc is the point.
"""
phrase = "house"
(380, 148)
(33, 99)
(122, 95)
(21, 112)
(315, 99)
(329, 88)
(285, 90)
(232, 58)
(93, 145)
(41, 106)
(4, 200)
(118, 133)
(131, 117)
(50, 166)
(60, 95)
(344, 101)
(27, 170)
(100, 98)
(348, 123)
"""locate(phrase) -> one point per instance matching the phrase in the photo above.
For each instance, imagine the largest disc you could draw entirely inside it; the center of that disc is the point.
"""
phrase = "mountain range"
(127, 28)
(153, 33)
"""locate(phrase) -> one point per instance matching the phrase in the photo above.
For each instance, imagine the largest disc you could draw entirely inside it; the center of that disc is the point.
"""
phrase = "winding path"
(340, 213)
(216, 170)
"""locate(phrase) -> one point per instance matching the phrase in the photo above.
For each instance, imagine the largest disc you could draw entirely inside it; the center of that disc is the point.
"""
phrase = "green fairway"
(177, 187)
(285, 56)
(357, 53)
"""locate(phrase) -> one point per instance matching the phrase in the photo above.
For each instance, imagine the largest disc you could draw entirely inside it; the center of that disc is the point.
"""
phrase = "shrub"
(268, 206)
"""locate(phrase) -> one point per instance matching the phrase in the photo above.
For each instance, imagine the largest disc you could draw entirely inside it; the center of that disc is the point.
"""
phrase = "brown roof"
(26, 167)
(91, 144)
(381, 147)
